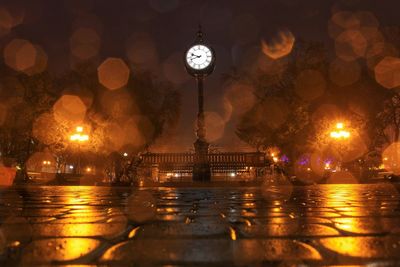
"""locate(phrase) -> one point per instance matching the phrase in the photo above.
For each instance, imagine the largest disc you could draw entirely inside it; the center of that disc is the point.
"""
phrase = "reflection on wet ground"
(324, 224)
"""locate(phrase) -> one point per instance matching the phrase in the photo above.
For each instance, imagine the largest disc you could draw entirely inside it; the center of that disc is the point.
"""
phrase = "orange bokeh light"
(387, 72)
(69, 108)
(20, 54)
(113, 73)
(84, 43)
(279, 47)
(310, 84)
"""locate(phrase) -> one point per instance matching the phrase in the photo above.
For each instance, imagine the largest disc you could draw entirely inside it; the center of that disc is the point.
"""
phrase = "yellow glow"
(348, 224)
(79, 137)
(88, 169)
(232, 233)
(327, 166)
(133, 232)
(340, 133)
(248, 223)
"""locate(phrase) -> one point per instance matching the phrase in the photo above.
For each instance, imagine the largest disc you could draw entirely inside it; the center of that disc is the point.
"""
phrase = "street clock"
(199, 62)
(199, 58)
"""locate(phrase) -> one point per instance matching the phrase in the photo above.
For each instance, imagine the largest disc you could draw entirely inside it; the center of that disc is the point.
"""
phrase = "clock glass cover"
(199, 57)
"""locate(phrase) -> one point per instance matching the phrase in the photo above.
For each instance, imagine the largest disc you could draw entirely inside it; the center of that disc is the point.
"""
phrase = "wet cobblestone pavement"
(225, 226)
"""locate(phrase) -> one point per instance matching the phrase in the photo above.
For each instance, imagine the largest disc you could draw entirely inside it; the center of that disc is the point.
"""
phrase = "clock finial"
(200, 34)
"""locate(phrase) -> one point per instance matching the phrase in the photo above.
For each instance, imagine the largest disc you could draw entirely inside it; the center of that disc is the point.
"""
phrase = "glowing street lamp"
(340, 134)
(79, 137)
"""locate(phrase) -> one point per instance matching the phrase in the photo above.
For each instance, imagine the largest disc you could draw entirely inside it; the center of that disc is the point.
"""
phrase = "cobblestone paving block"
(57, 249)
(209, 251)
(288, 230)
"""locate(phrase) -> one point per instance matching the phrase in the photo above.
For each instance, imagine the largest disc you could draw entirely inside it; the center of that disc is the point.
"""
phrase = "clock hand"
(197, 56)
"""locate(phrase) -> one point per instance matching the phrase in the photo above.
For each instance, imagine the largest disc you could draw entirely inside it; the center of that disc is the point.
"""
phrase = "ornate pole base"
(201, 167)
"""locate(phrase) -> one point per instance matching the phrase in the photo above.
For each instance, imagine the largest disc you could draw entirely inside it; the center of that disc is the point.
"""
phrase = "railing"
(221, 161)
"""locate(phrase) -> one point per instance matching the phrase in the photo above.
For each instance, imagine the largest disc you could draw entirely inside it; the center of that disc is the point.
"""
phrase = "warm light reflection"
(132, 233)
(58, 249)
(232, 233)
(341, 195)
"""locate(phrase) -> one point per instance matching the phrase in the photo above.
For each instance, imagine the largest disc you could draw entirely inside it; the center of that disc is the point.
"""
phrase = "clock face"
(199, 57)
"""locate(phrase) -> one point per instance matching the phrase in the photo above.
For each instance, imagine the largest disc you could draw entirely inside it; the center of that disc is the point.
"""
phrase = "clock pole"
(201, 168)
(201, 131)
(200, 62)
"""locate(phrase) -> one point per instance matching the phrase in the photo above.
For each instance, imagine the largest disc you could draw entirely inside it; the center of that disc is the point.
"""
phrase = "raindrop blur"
(141, 207)
(310, 84)
(20, 54)
(173, 69)
(240, 98)
(344, 73)
(391, 158)
(280, 46)
(387, 72)
(215, 126)
(113, 73)
(84, 43)
(69, 108)
(141, 51)
(350, 45)
(273, 112)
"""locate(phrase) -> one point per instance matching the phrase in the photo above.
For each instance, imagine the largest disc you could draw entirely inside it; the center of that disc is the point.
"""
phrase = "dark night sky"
(231, 27)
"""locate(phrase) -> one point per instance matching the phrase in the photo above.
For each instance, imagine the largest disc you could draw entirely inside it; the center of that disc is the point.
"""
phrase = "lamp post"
(340, 135)
(79, 137)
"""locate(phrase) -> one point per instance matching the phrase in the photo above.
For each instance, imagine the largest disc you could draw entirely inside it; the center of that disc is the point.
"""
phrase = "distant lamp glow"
(71, 167)
(340, 133)
(88, 169)
(125, 154)
(327, 166)
(233, 174)
(78, 136)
